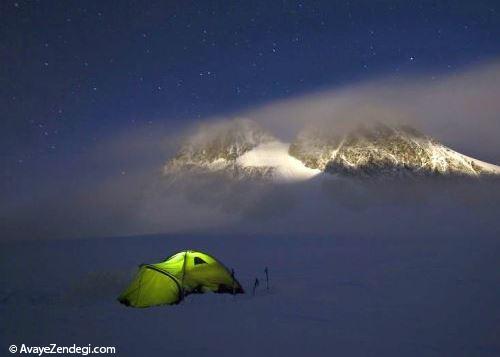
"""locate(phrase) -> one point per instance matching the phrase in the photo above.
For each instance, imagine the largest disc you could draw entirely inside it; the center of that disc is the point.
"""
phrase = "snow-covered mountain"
(383, 151)
(241, 149)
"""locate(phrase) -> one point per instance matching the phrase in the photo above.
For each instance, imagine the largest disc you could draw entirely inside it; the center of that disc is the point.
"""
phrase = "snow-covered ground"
(275, 154)
(329, 296)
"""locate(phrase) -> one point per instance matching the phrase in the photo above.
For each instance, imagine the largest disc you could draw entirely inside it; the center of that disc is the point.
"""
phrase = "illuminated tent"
(181, 274)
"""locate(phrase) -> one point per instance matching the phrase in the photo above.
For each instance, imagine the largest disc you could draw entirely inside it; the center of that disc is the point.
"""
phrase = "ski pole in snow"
(267, 278)
(255, 284)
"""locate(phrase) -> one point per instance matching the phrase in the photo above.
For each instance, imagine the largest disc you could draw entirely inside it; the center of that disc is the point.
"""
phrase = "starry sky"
(72, 72)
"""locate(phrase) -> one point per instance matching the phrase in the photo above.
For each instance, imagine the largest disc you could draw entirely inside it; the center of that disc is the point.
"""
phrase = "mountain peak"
(217, 146)
(226, 140)
(382, 150)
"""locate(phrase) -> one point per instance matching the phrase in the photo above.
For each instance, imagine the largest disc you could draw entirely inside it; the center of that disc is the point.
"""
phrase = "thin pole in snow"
(255, 284)
(267, 278)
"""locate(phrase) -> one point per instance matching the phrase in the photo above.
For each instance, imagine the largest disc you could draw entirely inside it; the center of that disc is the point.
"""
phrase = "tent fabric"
(181, 274)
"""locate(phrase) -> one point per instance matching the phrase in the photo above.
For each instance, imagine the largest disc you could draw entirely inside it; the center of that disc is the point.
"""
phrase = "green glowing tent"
(181, 274)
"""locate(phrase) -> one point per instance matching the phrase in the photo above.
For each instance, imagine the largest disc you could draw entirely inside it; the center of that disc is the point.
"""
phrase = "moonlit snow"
(419, 295)
(275, 154)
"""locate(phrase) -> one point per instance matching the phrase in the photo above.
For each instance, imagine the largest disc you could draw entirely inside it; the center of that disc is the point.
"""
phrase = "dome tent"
(181, 274)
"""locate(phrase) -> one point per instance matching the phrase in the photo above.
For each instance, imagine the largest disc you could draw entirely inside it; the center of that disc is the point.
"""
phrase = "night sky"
(72, 72)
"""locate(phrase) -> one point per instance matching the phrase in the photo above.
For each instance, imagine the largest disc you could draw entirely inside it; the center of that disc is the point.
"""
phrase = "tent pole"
(183, 273)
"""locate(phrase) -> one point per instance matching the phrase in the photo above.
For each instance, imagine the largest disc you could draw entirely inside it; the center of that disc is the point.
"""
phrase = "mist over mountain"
(354, 181)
